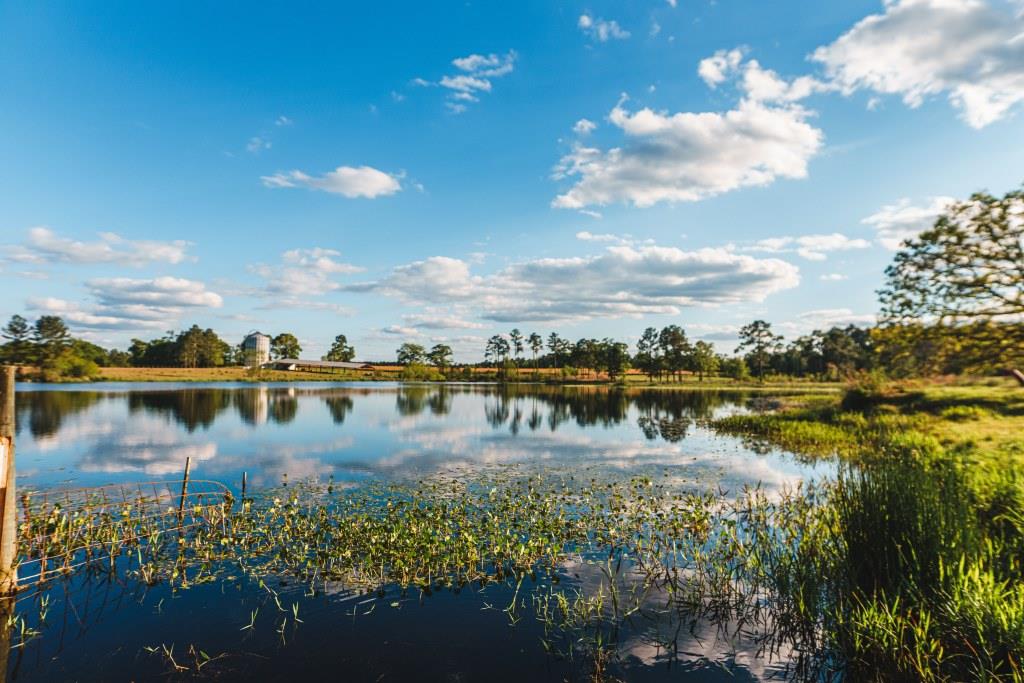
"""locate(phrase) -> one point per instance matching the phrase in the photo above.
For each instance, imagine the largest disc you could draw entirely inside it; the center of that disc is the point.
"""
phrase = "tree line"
(667, 354)
(47, 344)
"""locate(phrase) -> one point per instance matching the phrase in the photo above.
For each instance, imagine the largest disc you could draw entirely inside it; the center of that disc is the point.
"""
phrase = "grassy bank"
(232, 374)
(980, 421)
(913, 569)
(394, 373)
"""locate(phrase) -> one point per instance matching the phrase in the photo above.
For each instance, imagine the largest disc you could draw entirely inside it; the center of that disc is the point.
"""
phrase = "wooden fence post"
(8, 502)
(184, 486)
(9, 519)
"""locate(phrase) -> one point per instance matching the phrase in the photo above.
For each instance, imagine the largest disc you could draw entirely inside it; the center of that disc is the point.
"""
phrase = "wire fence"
(60, 531)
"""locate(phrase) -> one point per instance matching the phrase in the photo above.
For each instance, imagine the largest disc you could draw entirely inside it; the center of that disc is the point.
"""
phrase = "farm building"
(256, 347)
(314, 365)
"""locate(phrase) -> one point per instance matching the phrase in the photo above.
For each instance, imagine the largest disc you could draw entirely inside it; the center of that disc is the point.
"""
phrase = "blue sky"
(444, 171)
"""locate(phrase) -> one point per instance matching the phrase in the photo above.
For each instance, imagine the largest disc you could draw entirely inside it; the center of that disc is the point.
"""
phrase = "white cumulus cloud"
(970, 50)
(301, 277)
(161, 291)
(718, 67)
(624, 280)
(690, 156)
(131, 303)
(584, 127)
(687, 156)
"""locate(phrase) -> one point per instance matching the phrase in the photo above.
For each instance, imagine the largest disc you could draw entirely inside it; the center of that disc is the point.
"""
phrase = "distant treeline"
(668, 353)
(665, 354)
(47, 344)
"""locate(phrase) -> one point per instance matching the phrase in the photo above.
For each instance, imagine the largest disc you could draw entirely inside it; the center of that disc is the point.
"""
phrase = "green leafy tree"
(199, 348)
(411, 354)
(497, 349)
(51, 338)
(561, 349)
(845, 349)
(137, 352)
(88, 351)
(440, 356)
(647, 359)
(759, 343)
(555, 346)
(703, 359)
(966, 271)
(118, 359)
(536, 343)
(341, 350)
(285, 345)
(585, 354)
(615, 358)
(190, 347)
(734, 367)
(516, 338)
(675, 349)
(18, 349)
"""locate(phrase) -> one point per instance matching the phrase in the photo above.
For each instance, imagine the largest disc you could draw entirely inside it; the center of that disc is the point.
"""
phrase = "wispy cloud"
(601, 30)
(810, 247)
(440, 320)
(44, 246)
(348, 181)
(474, 76)
(257, 144)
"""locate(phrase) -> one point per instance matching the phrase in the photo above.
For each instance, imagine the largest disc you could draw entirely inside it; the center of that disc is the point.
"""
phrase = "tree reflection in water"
(45, 411)
(662, 414)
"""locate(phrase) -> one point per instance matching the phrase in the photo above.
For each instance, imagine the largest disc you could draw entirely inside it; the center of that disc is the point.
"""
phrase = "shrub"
(417, 372)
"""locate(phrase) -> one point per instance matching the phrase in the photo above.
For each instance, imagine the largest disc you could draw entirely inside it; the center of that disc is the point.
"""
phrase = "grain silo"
(256, 348)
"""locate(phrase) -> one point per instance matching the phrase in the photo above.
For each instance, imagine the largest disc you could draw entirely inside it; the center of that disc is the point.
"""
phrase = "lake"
(351, 434)
(87, 435)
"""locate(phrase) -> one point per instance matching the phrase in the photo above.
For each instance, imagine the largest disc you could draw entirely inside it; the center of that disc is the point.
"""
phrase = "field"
(394, 373)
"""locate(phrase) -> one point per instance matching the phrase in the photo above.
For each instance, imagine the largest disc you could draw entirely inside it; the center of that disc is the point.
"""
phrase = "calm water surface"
(110, 433)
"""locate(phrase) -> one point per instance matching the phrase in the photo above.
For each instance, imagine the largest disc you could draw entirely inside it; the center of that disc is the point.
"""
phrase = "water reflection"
(105, 433)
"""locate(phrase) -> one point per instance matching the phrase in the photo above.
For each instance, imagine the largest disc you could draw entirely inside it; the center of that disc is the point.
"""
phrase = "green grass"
(395, 372)
(924, 540)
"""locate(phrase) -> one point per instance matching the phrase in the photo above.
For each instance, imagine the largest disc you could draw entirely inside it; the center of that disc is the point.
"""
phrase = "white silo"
(256, 348)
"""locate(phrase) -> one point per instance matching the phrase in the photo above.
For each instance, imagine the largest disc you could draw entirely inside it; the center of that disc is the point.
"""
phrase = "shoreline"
(242, 376)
